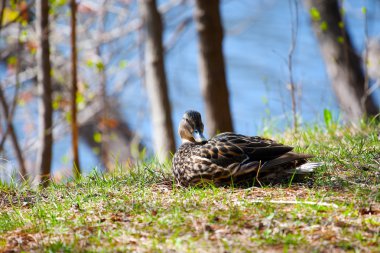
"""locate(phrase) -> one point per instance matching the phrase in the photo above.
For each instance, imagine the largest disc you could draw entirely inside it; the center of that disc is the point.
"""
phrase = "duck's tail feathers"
(306, 168)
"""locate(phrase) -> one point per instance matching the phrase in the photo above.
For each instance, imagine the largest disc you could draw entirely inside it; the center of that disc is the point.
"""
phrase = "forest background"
(132, 79)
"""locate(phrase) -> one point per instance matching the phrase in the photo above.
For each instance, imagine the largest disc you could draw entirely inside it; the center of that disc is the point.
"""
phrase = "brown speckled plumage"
(229, 156)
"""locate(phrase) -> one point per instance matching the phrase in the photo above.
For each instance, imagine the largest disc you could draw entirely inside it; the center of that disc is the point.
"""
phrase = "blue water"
(256, 46)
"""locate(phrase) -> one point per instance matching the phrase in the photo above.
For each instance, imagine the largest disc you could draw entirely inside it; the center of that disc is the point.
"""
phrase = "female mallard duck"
(231, 157)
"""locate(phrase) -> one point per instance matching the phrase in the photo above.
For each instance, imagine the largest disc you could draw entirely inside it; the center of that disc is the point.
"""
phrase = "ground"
(139, 208)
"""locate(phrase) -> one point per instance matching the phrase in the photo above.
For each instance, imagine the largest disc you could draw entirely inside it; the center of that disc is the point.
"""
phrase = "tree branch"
(74, 90)
(10, 113)
(293, 87)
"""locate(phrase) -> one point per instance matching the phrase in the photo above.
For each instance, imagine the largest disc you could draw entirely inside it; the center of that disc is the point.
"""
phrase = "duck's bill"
(198, 137)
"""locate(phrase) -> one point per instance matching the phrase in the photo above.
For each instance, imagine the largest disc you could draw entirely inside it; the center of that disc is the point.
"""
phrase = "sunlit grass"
(139, 208)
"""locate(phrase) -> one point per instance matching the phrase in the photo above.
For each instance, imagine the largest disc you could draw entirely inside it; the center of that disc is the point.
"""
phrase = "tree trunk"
(105, 152)
(342, 63)
(74, 90)
(211, 66)
(45, 91)
(156, 81)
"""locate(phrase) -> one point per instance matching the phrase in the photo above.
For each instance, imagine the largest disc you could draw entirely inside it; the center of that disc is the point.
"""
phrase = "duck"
(230, 157)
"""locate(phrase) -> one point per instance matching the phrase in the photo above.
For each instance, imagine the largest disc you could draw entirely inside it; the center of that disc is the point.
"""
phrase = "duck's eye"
(196, 131)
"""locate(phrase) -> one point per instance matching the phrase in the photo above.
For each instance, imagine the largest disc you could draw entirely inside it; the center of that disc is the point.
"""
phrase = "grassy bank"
(140, 209)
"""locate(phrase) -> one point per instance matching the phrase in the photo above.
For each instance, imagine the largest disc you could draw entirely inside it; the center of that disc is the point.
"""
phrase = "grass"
(140, 209)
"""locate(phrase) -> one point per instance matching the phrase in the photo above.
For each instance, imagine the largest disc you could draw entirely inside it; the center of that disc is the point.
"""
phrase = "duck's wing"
(223, 153)
(230, 155)
(241, 147)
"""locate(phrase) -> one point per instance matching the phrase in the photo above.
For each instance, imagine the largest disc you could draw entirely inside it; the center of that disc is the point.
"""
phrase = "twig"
(373, 88)
(141, 56)
(10, 130)
(257, 174)
(74, 90)
(293, 87)
(366, 79)
(177, 33)
(367, 90)
(294, 202)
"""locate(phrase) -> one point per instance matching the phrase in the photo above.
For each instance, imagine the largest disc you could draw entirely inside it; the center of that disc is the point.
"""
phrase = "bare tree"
(117, 143)
(45, 91)
(211, 65)
(156, 80)
(74, 90)
(342, 63)
(8, 113)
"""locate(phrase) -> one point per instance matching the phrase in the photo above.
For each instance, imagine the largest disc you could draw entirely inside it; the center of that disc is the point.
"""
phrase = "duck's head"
(191, 127)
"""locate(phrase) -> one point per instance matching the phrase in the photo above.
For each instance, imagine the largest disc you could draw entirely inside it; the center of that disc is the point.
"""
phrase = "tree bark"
(156, 81)
(74, 90)
(342, 63)
(45, 91)
(211, 66)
